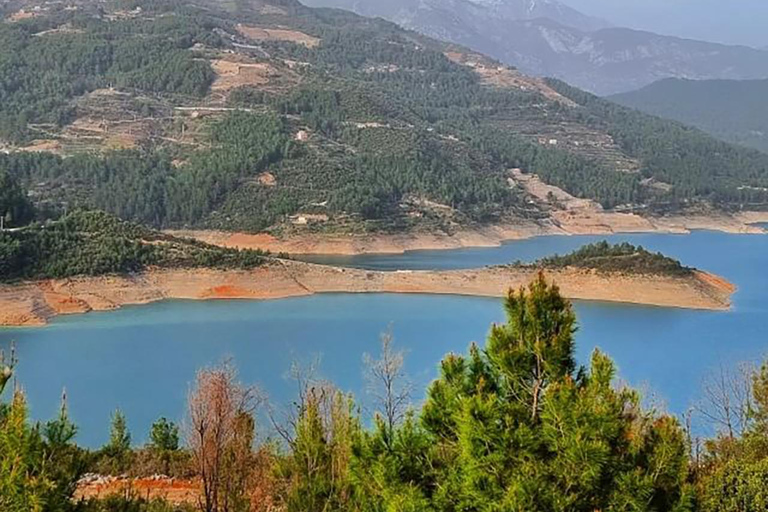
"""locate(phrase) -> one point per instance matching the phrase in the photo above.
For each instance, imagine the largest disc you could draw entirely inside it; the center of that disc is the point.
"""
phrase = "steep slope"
(735, 111)
(407, 12)
(252, 116)
(615, 60)
(536, 9)
(552, 40)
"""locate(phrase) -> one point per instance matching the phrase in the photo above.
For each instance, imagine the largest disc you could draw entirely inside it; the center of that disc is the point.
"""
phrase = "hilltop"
(270, 116)
(623, 257)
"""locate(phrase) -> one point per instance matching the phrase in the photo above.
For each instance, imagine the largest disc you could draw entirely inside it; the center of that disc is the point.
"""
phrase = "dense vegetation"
(514, 425)
(731, 110)
(15, 207)
(623, 257)
(49, 60)
(395, 133)
(146, 187)
(695, 164)
(95, 243)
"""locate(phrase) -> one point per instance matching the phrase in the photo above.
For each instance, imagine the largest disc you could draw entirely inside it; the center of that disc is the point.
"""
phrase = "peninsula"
(107, 263)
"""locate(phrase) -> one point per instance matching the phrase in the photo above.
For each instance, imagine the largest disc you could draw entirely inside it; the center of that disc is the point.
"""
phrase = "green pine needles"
(517, 426)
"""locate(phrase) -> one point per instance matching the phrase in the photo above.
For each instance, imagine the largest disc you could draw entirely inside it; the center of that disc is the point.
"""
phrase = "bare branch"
(727, 400)
(219, 432)
(284, 420)
(387, 382)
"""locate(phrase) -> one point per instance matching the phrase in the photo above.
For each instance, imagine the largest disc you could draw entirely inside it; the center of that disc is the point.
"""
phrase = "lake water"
(144, 358)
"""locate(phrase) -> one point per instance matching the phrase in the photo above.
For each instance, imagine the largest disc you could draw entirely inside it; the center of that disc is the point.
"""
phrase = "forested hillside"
(95, 243)
(273, 116)
(623, 257)
(693, 163)
(731, 110)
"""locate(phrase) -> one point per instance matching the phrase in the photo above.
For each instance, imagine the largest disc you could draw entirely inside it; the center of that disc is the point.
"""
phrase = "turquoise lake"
(143, 359)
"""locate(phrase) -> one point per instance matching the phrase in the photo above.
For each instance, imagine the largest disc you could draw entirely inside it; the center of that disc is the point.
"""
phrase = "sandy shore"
(36, 303)
(567, 222)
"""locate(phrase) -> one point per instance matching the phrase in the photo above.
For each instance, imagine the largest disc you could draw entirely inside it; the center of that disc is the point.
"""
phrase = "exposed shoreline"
(563, 223)
(36, 303)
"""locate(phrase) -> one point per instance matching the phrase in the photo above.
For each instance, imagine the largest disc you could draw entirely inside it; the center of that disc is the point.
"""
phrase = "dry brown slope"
(35, 303)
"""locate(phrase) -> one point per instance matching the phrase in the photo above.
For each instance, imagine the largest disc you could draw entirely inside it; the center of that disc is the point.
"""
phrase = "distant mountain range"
(408, 12)
(548, 38)
(732, 110)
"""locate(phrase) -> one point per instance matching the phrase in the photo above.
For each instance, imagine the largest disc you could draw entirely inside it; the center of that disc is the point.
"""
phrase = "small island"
(92, 261)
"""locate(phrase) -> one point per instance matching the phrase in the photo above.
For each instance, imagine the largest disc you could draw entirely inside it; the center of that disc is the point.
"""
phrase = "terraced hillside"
(267, 115)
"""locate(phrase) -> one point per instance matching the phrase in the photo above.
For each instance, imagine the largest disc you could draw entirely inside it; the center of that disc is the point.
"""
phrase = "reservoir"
(143, 359)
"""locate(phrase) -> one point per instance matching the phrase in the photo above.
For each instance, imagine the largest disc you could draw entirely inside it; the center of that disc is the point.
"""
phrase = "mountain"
(617, 60)
(549, 39)
(413, 12)
(735, 111)
(271, 116)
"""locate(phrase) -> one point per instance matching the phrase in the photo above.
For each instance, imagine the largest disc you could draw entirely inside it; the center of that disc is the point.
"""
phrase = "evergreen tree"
(117, 451)
(317, 468)
(164, 435)
(759, 413)
(392, 470)
(65, 461)
(23, 484)
(519, 427)
(119, 436)
(164, 441)
(15, 208)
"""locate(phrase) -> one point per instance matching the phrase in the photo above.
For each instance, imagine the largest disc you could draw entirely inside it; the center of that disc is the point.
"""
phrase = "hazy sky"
(726, 21)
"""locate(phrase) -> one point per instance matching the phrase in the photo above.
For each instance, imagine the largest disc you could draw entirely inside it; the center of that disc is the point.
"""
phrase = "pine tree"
(164, 441)
(65, 461)
(536, 345)
(164, 435)
(119, 436)
(60, 432)
(519, 427)
(118, 448)
(759, 413)
(23, 485)
(318, 468)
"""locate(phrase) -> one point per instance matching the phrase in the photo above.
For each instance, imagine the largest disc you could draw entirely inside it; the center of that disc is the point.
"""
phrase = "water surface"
(143, 358)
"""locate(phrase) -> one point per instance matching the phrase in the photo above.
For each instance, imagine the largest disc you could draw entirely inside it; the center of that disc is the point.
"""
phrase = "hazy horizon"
(740, 22)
